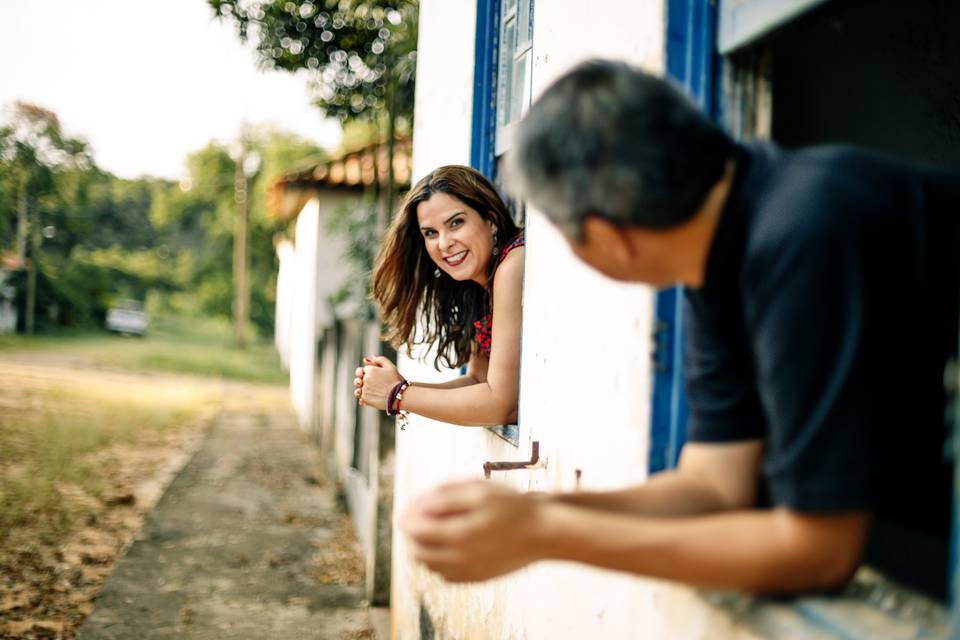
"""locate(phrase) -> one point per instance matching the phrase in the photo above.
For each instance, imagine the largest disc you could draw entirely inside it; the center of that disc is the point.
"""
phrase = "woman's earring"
(496, 249)
(436, 272)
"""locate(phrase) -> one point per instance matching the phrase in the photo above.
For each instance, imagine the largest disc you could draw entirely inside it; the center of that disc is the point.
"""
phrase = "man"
(821, 310)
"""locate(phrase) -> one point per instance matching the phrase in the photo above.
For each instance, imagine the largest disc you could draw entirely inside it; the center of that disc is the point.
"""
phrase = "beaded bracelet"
(394, 396)
(402, 415)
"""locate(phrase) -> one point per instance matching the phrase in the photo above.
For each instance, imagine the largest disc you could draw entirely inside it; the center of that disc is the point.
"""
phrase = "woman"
(450, 270)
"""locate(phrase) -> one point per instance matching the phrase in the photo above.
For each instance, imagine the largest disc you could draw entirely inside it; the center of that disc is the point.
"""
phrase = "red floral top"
(485, 324)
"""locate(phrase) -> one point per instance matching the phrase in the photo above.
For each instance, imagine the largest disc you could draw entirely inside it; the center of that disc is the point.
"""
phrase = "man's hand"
(472, 531)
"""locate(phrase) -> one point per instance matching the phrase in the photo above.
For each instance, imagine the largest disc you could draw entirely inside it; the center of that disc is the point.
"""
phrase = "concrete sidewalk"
(245, 543)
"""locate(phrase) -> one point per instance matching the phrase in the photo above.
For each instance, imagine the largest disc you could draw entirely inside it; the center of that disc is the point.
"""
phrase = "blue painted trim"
(509, 432)
(954, 590)
(670, 408)
(954, 414)
(483, 134)
(692, 61)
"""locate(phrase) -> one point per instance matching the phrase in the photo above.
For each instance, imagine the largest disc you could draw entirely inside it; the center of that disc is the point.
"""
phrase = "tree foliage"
(109, 237)
(356, 50)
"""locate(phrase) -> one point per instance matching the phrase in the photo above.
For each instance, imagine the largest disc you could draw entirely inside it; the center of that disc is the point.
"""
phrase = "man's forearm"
(668, 493)
(758, 551)
(709, 478)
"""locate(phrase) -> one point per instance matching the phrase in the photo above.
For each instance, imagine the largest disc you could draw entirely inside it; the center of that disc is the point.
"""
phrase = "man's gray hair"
(612, 141)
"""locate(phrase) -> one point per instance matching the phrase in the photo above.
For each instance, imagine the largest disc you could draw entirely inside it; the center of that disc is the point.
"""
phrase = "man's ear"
(611, 237)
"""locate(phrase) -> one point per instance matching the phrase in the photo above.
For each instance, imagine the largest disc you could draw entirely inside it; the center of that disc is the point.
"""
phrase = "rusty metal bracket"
(506, 466)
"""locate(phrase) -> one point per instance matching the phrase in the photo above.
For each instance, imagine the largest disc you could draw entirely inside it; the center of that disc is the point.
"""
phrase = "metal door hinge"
(488, 467)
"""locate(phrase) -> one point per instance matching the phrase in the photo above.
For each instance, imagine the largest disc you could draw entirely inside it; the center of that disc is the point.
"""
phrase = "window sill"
(508, 432)
(870, 607)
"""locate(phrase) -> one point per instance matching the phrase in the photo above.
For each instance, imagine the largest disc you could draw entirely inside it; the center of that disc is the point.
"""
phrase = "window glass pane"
(510, 8)
(525, 24)
(518, 92)
(505, 73)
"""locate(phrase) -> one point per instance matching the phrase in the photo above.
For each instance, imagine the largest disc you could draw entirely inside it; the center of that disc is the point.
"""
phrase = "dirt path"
(245, 543)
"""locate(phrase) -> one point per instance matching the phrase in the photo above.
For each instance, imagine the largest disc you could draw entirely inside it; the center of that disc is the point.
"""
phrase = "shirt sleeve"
(804, 308)
(724, 406)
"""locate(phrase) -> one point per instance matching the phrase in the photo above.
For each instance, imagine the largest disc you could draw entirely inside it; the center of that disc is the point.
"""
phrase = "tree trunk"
(241, 290)
(31, 301)
(22, 222)
(391, 135)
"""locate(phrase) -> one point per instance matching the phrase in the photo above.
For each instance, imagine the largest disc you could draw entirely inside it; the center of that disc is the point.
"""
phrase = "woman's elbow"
(503, 406)
(503, 413)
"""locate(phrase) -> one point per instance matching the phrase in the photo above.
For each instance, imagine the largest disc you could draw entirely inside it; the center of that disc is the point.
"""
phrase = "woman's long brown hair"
(403, 275)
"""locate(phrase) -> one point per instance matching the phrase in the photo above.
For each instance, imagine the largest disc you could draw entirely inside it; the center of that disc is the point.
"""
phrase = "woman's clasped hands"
(374, 381)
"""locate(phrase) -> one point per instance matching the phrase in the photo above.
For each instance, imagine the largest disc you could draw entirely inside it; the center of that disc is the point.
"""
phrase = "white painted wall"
(283, 312)
(315, 270)
(586, 383)
(444, 102)
(303, 332)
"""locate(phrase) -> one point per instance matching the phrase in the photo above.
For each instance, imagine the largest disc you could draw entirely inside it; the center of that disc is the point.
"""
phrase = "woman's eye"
(429, 234)
(456, 223)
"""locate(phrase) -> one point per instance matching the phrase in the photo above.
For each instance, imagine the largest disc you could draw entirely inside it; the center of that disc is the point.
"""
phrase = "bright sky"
(145, 81)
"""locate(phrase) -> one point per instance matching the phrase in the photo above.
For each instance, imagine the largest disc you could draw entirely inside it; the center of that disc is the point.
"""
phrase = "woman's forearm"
(456, 383)
(474, 405)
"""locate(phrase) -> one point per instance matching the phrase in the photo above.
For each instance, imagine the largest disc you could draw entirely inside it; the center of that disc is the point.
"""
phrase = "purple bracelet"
(392, 396)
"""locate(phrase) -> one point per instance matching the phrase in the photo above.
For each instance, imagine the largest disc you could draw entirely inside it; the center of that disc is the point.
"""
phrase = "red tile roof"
(352, 170)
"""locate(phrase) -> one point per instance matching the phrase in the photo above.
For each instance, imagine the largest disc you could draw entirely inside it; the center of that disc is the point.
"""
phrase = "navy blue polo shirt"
(828, 312)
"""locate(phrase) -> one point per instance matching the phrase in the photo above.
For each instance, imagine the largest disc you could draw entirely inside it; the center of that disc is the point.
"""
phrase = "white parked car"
(128, 317)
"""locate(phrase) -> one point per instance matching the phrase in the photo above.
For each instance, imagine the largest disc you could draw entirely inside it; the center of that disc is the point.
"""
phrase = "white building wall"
(444, 102)
(303, 331)
(586, 379)
(316, 271)
(283, 315)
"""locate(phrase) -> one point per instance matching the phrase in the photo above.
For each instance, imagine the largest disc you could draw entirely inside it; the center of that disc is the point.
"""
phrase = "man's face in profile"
(627, 255)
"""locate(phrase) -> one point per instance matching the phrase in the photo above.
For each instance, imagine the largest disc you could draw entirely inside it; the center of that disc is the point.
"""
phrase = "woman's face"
(457, 238)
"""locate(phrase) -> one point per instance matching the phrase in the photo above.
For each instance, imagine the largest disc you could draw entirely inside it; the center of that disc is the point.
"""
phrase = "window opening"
(502, 93)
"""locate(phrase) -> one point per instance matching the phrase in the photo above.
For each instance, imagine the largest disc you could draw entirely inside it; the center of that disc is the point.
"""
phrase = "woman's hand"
(358, 384)
(376, 379)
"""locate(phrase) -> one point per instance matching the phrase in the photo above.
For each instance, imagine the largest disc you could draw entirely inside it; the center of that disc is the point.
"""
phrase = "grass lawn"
(79, 448)
(86, 424)
(200, 346)
(61, 435)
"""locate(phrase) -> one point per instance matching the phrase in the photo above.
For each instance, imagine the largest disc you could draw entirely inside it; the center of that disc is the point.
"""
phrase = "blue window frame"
(483, 135)
(503, 58)
(693, 62)
(501, 93)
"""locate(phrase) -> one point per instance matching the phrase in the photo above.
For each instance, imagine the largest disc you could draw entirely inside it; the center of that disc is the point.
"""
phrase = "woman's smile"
(456, 259)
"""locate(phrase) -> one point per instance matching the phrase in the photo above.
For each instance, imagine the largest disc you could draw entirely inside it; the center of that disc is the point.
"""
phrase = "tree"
(358, 51)
(103, 237)
(196, 218)
(34, 152)
(362, 54)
